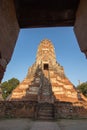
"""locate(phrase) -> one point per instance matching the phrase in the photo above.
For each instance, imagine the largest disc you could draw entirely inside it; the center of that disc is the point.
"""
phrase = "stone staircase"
(32, 97)
(45, 94)
(45, 111)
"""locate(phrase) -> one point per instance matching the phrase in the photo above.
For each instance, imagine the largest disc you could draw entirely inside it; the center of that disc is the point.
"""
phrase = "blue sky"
(67, 51)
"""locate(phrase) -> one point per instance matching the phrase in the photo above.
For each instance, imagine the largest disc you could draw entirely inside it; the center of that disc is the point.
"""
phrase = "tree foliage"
(83, 88)
(8, 86)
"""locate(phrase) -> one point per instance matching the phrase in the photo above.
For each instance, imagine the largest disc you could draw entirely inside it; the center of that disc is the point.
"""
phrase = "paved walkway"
(38, 125)
(66, 124)
(28, 124)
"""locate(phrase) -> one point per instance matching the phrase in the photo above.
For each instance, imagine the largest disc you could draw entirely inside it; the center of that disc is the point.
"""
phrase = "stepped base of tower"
(30, 90)
(46, 86)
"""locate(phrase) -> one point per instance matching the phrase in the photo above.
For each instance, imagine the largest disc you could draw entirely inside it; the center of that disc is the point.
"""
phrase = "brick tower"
(46, 80)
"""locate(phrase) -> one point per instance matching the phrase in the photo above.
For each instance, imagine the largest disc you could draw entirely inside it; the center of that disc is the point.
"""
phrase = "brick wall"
(27, 109)
(18, 109)
(70, 110)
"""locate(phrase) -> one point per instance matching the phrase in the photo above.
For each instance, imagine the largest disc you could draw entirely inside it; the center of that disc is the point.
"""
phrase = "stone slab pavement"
(45, 125)
(15, 124)
(72, 124)
(28, 124)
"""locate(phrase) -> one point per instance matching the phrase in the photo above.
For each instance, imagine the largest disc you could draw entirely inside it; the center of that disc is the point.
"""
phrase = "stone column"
(80, 26)
(9, 30)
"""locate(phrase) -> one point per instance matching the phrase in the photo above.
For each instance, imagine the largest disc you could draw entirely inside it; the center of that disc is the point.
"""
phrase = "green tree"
(8, 86)
(83, 88)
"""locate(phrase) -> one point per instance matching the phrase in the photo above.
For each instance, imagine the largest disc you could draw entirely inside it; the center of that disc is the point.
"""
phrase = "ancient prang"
(46, 80)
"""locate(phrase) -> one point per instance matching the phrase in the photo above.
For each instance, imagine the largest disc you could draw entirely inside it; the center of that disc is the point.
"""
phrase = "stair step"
(46, 111)
(46, 114)
(45, 118)
(46, 108)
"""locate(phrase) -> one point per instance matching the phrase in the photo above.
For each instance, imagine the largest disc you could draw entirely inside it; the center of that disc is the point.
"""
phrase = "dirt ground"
(27, 124)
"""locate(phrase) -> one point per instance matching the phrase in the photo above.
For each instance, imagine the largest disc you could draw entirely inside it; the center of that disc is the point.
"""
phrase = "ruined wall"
(26, 109)
(9, 30)
(70, 110)
(11, 109)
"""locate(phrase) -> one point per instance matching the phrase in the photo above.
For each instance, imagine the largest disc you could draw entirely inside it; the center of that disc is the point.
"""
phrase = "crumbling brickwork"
(27, 109)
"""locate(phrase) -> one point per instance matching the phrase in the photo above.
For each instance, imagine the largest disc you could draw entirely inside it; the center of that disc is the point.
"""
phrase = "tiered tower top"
(45, 52)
